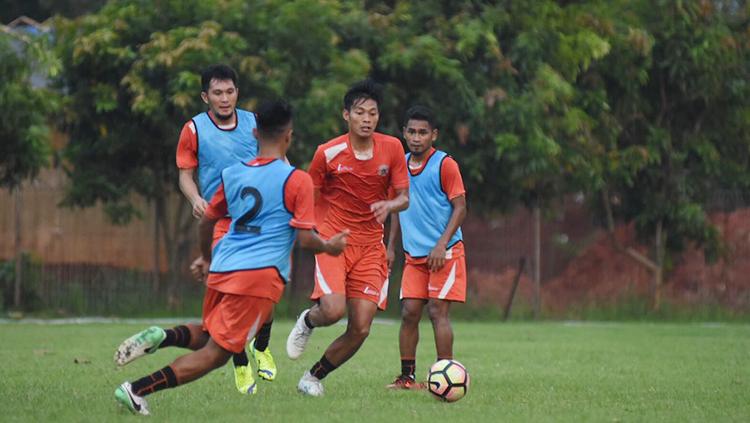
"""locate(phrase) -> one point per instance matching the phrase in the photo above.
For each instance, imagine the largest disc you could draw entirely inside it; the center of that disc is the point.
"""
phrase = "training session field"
(564, 371)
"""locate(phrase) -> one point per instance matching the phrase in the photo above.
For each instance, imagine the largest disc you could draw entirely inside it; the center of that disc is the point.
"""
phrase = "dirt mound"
(600, 275)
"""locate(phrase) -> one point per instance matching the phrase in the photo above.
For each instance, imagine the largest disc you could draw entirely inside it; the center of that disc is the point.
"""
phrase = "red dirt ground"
(600, 275)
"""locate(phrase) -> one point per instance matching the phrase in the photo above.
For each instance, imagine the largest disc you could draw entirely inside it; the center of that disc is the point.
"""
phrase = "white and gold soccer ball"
(448, 380)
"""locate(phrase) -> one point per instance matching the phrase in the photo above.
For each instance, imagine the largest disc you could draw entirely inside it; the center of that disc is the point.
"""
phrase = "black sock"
(240, 359)
(322, 368)
(160, 379)
(263, 336)
(308, 323)
(178, 336)
(408, 366)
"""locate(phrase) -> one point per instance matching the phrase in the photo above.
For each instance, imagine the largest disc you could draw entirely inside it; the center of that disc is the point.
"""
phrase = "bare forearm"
(188, 186)
(393, 233)
(206, 233)
(457, 218)
(401, 202)
(309, 240)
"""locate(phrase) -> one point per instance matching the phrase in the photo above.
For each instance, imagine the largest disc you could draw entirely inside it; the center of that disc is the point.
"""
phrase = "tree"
(24, 140)
(671, 106)
(132, 75)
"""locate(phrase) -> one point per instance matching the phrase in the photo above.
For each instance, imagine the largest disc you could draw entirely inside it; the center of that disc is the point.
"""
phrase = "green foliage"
(671, 124)
(536, 100)
(24, 140)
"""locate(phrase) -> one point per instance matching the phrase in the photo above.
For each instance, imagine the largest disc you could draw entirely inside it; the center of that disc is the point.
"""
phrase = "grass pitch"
(603, 372)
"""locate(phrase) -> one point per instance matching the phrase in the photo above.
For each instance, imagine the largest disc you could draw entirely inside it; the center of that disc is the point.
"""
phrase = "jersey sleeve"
(318, 168)
(450, 179)
(187, 147)
(217, 207)
(298, 198)
(399, 174)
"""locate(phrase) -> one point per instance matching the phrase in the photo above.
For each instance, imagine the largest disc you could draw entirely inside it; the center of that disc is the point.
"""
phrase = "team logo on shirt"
(343, 169)
(383, 170)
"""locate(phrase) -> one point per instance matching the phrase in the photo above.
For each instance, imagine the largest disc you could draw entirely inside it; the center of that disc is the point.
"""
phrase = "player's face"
(221, 98)
(363, 118)
(419, 136)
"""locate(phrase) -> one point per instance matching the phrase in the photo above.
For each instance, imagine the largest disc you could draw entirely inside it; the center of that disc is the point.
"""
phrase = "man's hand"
(381, 209)
(199, 269)
(199, 208)
(336, 244)
(436, 259)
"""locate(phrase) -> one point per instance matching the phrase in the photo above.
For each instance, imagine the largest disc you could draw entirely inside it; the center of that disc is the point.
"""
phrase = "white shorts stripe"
(383, 293)
(321, 280)
(448, 283)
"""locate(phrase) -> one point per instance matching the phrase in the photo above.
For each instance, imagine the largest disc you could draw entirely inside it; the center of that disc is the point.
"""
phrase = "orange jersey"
(350, 186)
(187, 147)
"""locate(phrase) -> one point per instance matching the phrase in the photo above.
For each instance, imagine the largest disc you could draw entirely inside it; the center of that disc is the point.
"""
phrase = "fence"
(77, 263)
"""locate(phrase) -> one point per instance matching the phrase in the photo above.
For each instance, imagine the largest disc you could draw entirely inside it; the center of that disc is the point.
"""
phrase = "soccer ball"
(448, 380)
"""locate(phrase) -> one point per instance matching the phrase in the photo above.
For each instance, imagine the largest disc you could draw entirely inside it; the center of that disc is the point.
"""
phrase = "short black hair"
(219, 72)
(273, 117)
(362, 90)
(419, 112)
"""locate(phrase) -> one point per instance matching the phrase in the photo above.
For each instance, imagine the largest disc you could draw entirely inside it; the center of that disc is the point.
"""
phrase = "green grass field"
(603, 372)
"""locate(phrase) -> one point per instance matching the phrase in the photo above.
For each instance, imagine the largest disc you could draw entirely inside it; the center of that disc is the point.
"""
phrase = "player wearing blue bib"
(209, 142)
(270, 204)
(435, 268)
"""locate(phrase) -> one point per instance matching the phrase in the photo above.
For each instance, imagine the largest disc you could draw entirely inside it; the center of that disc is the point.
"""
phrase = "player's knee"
(438, 314)
(410, 317)
(359, 332)
(332, 312)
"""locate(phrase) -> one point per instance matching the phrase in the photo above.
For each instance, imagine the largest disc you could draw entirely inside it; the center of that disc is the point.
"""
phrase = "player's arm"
(298, 196)
(215, 211)
(436, 259)
(382, 209)
(190, 189)
(187, 162)
(309, 240)
(390, 251)
(453, 186)
(399, 184)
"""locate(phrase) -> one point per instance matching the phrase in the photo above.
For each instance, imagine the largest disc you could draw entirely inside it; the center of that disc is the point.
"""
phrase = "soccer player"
(210, 142)
(270, 203)
(435, 269)
(353, 173)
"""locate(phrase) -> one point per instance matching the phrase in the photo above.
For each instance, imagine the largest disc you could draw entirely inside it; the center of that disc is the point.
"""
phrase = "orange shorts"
(231, 320)
(361, 271)
(448, 283)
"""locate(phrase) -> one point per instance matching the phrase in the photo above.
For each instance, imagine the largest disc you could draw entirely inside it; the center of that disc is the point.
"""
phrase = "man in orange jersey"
(353, 173)
(270, 204)
(435, 269)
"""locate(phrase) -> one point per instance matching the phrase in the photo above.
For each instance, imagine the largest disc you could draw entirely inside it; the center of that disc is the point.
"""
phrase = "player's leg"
(184, 369)
(262, 353)
(438, 311)
(329, 293)
(361, 313)
(450, 286)
(414, 295)
(408, 337)
(147, 341)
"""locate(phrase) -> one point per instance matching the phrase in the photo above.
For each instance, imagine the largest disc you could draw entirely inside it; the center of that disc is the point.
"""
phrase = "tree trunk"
(18, 271)
(655, 266)
(537, 261)
(659, 241)
(157, 251)
(177, 242)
